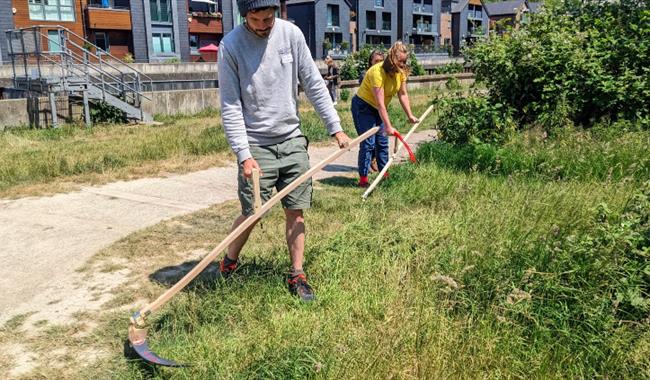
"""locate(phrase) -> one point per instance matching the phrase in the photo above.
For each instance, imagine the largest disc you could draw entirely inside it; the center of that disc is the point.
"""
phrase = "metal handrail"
(91, 79)
(148, 78)
(73, 68)
(145, 76)
(78, 59)
(108, 74)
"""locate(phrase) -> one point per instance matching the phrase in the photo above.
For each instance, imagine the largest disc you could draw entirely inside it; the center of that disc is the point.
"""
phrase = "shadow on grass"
(170, 275)
(340, 181)
(210, 278)
(339, 168)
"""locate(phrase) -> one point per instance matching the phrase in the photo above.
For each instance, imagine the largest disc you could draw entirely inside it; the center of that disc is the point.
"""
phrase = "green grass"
(35, 161)
(573, 155)
(445, 272)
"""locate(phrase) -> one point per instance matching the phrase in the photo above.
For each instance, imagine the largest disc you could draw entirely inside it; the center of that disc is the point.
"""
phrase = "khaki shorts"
(281, 164)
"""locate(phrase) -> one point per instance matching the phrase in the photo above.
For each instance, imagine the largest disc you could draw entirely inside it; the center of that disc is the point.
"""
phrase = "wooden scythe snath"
(137, 328)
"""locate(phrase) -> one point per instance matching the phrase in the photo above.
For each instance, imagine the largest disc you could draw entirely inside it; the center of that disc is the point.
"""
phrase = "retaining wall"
(36, 112)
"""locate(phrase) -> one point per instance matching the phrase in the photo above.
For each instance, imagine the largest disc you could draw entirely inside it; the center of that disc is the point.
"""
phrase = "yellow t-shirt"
(377, 77)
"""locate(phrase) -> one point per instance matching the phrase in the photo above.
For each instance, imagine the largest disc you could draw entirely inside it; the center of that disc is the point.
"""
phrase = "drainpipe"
(283, 10)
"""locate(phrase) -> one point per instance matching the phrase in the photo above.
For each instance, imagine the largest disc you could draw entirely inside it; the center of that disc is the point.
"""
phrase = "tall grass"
(573, 155)
(182, 143)
(443, 273)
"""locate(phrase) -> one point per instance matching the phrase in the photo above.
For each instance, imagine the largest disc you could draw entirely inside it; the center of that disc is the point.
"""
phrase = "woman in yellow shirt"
(381, 83)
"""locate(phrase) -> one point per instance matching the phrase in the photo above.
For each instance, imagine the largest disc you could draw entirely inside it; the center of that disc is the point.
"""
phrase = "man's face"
(260, 22)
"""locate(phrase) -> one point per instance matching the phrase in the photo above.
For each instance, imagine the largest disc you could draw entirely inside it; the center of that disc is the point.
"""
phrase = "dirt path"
(45, 240)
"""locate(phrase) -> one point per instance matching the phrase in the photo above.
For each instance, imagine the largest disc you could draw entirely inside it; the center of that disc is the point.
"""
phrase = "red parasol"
(212, 48)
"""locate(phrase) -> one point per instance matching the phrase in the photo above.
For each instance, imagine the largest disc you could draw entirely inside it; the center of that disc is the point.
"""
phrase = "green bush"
(574, 62)
(357, 62)
(473, 120)
(345, 94)
(450, 68)
(102, 112)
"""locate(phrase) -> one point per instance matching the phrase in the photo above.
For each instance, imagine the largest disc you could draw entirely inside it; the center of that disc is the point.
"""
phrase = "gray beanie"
(247, 5)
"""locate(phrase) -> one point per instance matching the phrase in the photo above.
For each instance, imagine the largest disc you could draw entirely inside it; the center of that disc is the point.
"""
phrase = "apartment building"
(420, 23)
(469, 22)
(325, 24)
(147, 30)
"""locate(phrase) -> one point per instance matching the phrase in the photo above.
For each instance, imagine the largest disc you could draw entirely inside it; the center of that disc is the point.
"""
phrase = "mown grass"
(445, 272)
(36, 161)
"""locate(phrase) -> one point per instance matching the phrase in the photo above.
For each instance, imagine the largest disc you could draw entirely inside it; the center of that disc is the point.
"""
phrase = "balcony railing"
(428, 49)
(425, 28)
(337, 53)
(204, 22)
(108, 18)
(107, 5)
(422, 8)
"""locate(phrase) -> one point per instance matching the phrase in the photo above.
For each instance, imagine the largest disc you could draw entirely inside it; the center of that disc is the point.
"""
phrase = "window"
(163, 43)
(334, 38)
(51, 10)
(54, 41)
(194, 43)
(333, 15)
(379, 3)
(475, 11)
(378, 40)
(371, 20)
(160, 10)
(101, 40)
(385, 21)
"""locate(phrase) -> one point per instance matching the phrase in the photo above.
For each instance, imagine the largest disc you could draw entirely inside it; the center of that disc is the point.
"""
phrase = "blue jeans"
(365, 117)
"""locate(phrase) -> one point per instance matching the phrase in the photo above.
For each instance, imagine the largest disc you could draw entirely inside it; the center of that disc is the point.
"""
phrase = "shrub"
(473, 120)
(327, 45)
(345, 94)
(357, 62)
(587, 59)
(128, 58)
(102, 112)
(450, 68)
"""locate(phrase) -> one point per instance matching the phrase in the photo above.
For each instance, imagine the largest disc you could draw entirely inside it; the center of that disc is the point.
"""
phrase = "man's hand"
(342, 139)
(248, 166)
(413, 119)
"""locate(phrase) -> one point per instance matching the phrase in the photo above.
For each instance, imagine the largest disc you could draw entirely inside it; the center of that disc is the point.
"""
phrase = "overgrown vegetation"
(576, 62)
(450, 68)
(444, 272)
(357, 62)
(32, 161)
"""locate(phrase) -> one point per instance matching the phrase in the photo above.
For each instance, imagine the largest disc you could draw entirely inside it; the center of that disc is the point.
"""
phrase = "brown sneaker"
(298, 286)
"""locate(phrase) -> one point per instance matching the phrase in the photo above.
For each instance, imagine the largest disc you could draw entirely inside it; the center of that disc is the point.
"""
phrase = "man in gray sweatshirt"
(261, 63)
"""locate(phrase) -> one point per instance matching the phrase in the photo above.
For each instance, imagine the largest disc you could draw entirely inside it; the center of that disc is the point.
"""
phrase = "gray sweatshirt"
(258, 84)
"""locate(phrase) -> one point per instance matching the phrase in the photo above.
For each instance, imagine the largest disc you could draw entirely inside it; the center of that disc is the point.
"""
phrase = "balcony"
(419, 8)
(204, 22)
(105, 15)
(424, 28)
(337, 53)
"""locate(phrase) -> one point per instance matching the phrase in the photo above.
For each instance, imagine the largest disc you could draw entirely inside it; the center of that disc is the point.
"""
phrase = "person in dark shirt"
(332, 77)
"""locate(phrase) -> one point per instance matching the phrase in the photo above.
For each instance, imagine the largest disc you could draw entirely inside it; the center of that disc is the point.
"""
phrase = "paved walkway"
(45, 239)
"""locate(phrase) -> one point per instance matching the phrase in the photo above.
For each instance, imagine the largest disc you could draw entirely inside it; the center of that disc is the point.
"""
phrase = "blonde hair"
(392, 57)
